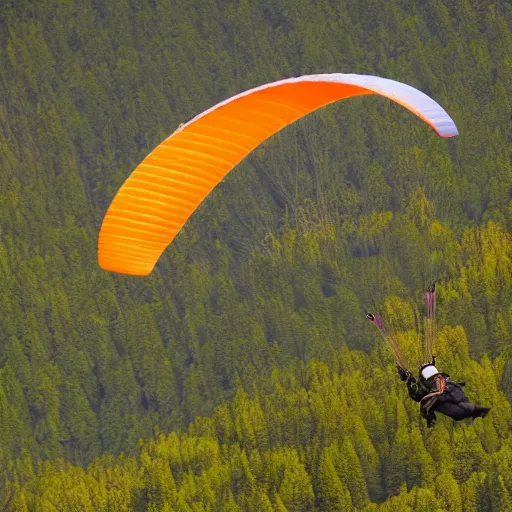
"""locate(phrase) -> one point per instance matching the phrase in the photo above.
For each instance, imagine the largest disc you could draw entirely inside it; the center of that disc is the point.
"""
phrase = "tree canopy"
(262, 296)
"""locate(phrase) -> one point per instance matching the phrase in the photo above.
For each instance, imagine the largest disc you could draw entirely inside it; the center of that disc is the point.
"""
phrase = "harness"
(428, 401)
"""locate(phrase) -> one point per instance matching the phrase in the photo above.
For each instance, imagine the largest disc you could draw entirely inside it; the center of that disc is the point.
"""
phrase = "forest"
(242, 375)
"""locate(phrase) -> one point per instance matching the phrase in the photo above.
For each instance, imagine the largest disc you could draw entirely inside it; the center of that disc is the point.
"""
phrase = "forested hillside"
(258, 306)
(329, 438)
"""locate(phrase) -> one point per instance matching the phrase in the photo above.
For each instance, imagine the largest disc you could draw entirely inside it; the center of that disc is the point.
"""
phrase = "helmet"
(427, 371)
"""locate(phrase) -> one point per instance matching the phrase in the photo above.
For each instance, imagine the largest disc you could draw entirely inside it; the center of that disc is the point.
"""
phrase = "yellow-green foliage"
(338, 441)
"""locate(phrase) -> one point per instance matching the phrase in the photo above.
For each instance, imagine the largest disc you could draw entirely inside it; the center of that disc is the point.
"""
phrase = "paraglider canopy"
(171, 182)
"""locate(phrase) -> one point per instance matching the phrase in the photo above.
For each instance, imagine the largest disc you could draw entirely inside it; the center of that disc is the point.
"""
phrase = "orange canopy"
(169, 184)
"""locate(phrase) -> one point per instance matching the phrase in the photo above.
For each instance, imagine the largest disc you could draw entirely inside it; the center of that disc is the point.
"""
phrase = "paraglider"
(434, 391)
(165, 189)
(437, 392)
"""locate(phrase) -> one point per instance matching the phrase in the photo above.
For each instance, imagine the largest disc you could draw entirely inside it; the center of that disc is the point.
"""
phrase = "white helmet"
(429, 371)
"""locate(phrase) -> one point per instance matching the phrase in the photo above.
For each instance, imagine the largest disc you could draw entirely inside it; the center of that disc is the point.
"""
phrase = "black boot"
(480, 412)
